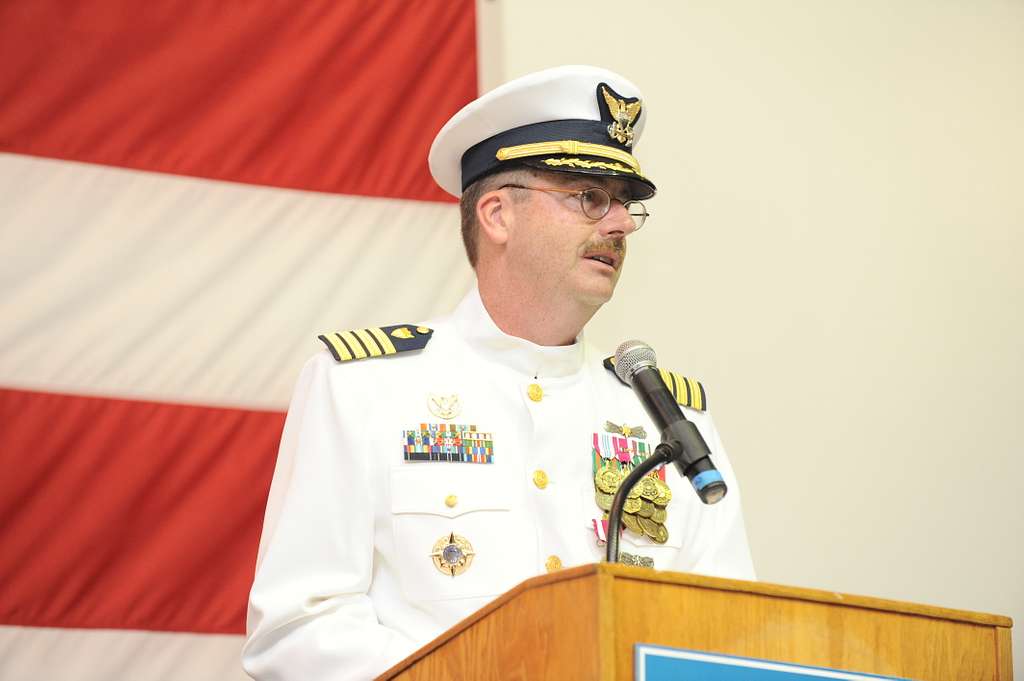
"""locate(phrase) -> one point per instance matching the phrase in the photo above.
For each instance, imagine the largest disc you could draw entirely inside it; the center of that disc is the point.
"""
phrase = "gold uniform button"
(553, 563)
(451, 500)
(540, 478)
(535, 392)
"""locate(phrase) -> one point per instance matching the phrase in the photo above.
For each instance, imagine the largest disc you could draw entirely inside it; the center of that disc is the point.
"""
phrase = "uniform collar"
(475, 326)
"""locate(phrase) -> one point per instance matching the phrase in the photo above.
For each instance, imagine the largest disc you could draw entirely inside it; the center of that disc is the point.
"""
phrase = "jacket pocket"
(431, 502)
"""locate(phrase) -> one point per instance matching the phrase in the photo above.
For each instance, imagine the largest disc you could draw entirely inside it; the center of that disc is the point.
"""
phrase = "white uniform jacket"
(345, 584)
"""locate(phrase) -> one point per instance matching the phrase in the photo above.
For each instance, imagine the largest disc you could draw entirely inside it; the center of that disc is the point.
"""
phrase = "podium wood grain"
(581, 623)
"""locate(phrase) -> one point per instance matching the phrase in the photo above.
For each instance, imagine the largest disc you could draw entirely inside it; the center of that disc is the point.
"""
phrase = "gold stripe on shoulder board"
(336, 346)
(385, 342)
(372, 346)
(354, 344)
(346, 346)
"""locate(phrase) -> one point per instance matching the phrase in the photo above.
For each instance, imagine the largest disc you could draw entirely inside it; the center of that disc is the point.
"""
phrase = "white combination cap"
(575, 119)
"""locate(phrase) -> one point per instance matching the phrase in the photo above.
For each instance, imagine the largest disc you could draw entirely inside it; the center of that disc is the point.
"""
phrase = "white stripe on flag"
(36, 653)
(136, 284)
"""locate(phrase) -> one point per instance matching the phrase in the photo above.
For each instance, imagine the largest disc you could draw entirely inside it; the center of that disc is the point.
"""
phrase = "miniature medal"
(649, 527)
(608, 479)
(632, 524)
(648, 489)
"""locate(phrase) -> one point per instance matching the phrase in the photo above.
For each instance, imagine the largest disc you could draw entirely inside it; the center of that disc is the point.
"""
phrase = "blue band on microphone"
(702, 480)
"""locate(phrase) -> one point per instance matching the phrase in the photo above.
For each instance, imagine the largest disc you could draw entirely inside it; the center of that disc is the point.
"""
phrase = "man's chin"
(596, 296)
(593, 288)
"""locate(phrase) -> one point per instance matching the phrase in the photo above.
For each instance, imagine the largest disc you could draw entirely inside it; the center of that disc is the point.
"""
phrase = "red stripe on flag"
(130, 514)
(331, 96)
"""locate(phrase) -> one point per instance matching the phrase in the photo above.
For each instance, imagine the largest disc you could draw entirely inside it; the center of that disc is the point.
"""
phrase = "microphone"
(637, 366)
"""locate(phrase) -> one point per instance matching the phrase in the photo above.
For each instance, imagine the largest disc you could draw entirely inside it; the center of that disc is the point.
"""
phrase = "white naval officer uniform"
(345, 585)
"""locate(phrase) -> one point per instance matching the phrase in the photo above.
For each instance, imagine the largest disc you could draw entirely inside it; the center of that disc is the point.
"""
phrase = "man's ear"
(494, 215)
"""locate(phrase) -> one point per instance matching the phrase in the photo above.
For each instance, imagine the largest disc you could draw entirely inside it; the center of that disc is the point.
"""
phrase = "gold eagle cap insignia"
(624, 116)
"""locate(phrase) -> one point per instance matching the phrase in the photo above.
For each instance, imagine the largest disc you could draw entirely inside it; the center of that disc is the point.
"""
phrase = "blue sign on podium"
(658, 663)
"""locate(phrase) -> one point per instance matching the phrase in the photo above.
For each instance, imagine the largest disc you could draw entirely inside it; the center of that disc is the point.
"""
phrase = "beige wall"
(836, 252)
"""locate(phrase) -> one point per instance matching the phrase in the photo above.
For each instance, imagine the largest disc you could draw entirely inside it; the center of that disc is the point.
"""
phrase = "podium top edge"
(769, 589)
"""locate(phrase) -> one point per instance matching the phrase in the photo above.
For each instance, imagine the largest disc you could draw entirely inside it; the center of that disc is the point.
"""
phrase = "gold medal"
(631, 523)
(648, 488)
(649, 527)
(662, 534)
(632, 505)
(604, 501)
(659, 515)
(664, 494)
(646, 509)
(608, 479)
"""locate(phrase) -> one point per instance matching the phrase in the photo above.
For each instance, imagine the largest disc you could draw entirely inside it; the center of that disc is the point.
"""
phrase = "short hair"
(471, 196)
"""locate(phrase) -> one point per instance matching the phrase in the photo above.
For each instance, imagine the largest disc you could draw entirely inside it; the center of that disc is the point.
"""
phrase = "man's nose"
(618, 221)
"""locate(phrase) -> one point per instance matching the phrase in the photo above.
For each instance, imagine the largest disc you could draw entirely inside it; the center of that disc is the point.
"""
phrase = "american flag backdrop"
(189, 193)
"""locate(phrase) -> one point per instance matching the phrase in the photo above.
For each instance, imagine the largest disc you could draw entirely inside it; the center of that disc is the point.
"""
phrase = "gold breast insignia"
(625, 431)
(444, 407)
(452, 554)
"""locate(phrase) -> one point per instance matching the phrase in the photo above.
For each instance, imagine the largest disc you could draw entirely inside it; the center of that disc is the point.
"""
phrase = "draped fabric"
(189, 193)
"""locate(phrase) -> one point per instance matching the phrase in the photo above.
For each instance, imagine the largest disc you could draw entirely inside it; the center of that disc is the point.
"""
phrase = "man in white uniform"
(426, 468)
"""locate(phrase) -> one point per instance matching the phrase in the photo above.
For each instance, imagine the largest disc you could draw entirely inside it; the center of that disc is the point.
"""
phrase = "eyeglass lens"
(596, 203)
(638, 212)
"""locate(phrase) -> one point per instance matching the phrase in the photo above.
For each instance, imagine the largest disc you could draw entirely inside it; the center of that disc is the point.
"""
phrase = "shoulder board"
(688, 391)
(376, 341)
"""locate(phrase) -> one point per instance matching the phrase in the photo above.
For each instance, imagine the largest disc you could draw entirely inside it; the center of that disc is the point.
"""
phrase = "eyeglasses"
(595, 202)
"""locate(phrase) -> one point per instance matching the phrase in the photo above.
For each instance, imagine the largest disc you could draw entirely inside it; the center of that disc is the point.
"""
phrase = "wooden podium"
(582, 623)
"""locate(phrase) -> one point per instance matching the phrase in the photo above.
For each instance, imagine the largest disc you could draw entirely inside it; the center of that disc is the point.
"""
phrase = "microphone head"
(631, 356)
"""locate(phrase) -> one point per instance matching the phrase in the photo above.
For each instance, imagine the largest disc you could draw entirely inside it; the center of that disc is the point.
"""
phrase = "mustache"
(618, 246)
